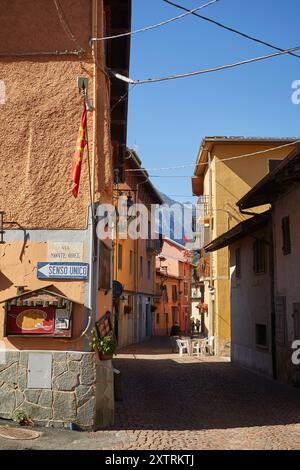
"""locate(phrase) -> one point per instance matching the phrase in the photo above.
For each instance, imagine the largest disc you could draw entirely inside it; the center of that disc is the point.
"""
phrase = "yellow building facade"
(226, 168)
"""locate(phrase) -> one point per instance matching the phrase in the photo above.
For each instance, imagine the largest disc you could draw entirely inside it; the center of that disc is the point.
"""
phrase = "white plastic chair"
(183, 346)
(211, 345)
(196, 347)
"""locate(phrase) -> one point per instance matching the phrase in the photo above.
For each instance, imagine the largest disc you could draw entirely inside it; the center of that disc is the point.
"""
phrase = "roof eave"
(241, 230)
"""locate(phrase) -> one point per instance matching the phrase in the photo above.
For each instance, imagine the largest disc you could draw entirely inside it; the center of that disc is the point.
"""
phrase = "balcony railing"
(153, 246)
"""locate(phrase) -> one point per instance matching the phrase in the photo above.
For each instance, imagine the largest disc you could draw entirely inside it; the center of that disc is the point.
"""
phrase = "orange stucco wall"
(39, 127)
(17, 272)
(41, 116)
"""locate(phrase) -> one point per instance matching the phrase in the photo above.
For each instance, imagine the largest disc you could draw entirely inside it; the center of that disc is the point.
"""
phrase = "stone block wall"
(81, 390)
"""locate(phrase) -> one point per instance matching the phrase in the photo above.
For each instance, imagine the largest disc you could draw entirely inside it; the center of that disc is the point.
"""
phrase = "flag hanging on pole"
(78, 155)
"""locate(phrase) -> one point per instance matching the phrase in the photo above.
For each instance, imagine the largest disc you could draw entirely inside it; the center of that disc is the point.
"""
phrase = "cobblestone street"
(186, 403)
(191, 403)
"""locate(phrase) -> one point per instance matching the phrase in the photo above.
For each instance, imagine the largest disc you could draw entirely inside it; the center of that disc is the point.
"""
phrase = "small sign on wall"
(65, 251)
(63, 271)
(30, 321)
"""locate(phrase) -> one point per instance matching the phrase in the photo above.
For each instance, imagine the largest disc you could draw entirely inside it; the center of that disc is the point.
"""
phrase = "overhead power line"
(122, 98)
(201, 72)
(157, 25)
(169, 176)
(229, 28)
(237, 157)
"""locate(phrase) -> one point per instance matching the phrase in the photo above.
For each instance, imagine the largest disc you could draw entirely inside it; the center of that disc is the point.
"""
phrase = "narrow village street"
(149, 222)
(201, 403)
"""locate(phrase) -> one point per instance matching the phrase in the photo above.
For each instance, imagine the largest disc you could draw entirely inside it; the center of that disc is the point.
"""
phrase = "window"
(141, 266)
(185, 288)
(194, 223)
(104, 267)
(261, 335)
(286, 237)
(157, 318)
(259, 256)
(165, 294)
(174, 293)
(120, 257)
(174, 315)
(280, 320)
(149, 269)
(238, 263)
(296, 316)
(149, 230)
(131, 262)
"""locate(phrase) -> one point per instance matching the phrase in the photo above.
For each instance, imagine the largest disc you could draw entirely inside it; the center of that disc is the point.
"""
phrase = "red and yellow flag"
(78, 155)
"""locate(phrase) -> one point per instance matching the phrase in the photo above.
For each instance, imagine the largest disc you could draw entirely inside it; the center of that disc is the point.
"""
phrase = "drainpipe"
(92, 297)
(210, 205)
(273, 316)
(94, 52)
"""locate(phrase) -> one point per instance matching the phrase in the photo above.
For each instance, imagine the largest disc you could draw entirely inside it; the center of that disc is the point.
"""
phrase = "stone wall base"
(81, 391)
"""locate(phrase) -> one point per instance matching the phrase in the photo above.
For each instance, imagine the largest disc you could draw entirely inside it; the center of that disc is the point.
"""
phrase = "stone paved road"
(191, 403)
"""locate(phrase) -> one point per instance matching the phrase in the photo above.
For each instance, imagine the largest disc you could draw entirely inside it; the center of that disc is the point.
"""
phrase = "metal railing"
(153, 246)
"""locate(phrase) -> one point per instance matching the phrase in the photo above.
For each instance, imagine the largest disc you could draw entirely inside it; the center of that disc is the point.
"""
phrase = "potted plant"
(106, 346)
(20, 417)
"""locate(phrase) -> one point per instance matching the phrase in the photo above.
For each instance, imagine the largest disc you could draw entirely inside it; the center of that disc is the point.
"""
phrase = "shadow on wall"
(5, 282)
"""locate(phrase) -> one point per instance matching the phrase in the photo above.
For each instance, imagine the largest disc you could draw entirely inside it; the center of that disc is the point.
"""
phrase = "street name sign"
(65, 252)
(63, 271)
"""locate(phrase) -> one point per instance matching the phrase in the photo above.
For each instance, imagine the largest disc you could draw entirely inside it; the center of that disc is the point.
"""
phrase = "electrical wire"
(65, 25)
(180, 195)
(123, 97)
(162, 23)
(201, 72)
(169, 176)
(40, 53)
(229, 28)
(237, 157)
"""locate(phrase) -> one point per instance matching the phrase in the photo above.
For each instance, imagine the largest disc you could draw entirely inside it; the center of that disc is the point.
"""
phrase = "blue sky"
(168, 120)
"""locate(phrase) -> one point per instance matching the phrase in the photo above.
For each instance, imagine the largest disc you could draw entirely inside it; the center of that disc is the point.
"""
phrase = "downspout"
(94, 52)
(210, 205)
(273, 315)
(91, 282)
(93, 304)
